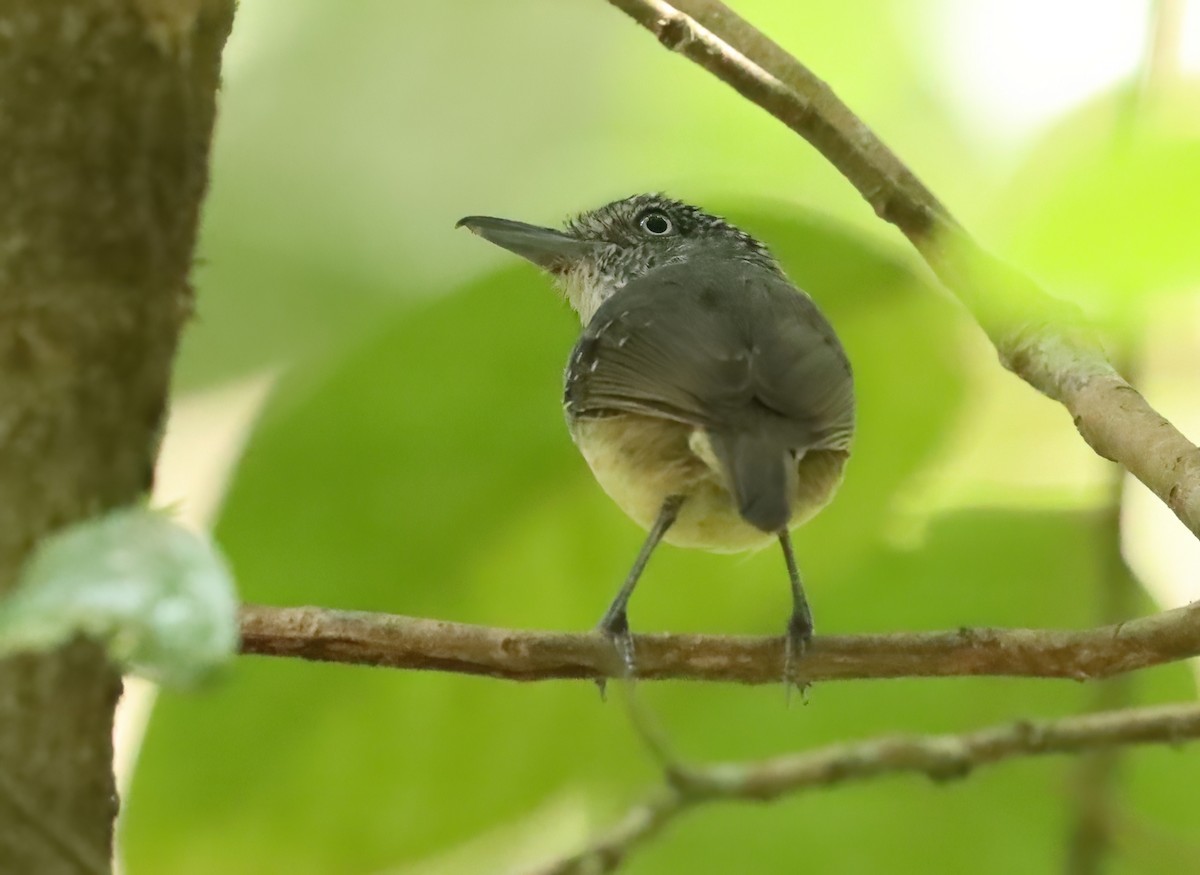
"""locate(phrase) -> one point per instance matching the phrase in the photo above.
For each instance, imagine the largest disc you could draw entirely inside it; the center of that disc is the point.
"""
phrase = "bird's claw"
(799, 634)
(623, 642)
(616, 630)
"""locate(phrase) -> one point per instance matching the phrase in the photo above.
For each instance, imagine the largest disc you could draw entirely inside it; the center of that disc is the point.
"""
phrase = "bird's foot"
(799, 634)
(616, 629)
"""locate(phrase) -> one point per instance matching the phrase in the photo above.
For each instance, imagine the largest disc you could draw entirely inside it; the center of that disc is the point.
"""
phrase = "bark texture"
(106, 114)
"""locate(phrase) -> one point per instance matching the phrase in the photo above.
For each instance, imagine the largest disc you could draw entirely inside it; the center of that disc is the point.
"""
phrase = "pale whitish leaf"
(161, 598)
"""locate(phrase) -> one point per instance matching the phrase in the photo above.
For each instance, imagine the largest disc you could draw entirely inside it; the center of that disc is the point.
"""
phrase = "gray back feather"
(727, 345)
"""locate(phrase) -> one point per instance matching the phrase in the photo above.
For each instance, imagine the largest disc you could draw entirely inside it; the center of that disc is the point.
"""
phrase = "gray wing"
(728, 346)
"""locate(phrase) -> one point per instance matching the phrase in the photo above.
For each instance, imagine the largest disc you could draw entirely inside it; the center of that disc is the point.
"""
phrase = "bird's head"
(599, 252)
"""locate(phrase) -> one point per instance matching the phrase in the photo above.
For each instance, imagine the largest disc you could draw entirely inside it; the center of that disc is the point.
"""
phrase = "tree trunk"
(106, 113)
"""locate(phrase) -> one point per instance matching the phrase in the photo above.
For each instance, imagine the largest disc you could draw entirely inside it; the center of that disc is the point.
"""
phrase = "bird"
(708, 394)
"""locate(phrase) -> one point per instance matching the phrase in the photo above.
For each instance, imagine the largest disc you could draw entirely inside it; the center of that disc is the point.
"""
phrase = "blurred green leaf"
(262, 306)
(159, 596)
(1099, 211)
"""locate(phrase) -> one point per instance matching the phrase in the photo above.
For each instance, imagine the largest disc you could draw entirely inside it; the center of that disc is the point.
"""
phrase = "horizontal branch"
(413, 643)
(1041, 339)
(939, 757)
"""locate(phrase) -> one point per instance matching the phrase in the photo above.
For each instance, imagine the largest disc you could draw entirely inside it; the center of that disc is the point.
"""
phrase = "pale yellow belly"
(640, 461)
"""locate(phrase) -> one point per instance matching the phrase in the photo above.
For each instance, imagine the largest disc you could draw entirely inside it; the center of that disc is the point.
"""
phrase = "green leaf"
(158, 595)
(1100, 210)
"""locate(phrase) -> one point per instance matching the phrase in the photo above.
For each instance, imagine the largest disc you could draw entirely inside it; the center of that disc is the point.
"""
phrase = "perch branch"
(1041, 339)
(939, 757)
(413, 643)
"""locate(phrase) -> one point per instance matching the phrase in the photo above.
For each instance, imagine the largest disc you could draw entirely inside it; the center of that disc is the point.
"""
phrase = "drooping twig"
(1097, 774)
(414, 643)
(1041, 339)
(940, 757)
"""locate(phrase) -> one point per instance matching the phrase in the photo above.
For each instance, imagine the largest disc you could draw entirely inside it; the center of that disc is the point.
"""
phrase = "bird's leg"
(615, 623)
(800, 625)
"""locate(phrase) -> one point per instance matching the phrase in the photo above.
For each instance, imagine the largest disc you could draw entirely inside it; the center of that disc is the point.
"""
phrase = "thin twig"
(396, 641)
(940, 757)
(1043, 340)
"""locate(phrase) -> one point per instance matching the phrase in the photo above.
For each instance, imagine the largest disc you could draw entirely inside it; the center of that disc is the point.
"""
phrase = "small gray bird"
(708, 394)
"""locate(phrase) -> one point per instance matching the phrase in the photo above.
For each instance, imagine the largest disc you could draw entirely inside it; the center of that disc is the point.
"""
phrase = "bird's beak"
(547, 248)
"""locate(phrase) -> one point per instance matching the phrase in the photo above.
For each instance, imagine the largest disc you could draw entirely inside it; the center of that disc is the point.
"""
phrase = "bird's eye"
(657, 224)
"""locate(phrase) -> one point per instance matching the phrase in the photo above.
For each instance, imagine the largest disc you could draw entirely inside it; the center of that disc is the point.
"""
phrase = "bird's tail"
(756, 467)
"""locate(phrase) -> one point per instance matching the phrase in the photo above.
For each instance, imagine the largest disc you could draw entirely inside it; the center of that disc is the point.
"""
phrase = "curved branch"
(1041, 339)
(413, 643)
(940, 757)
